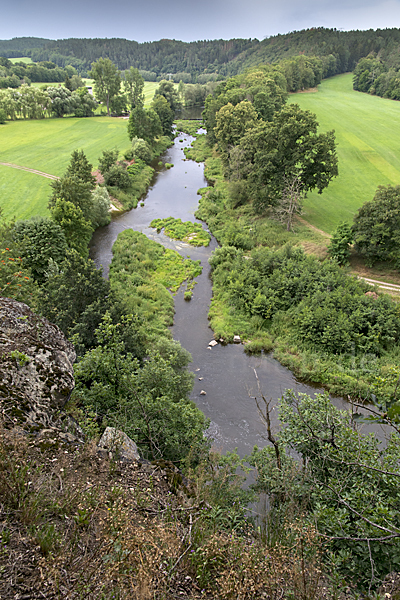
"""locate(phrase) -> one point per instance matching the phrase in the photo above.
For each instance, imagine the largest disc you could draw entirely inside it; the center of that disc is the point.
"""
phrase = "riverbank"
(343, 345)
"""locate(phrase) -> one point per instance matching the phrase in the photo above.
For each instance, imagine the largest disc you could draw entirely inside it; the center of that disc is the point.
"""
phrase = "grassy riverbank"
(312, 314)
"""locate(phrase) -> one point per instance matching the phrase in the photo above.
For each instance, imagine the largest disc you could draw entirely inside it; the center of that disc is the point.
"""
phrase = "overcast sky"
(148, 20)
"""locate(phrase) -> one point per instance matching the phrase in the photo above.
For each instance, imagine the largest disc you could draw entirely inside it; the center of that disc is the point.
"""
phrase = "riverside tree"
(289, 147)
(346, 484)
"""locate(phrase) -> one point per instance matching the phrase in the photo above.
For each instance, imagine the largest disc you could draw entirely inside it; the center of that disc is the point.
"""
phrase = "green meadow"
(368, 136)
(46, 145)
(25, 59)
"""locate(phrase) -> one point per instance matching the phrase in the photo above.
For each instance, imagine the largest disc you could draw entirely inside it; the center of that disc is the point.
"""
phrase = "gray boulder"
(36, 373)
(118, 444)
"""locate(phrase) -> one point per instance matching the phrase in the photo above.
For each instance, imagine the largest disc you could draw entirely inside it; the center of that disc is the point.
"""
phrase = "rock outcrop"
(117, 444)
(36, 373)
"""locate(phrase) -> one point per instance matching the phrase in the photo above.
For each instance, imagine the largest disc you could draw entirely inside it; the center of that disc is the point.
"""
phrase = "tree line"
(379, 76)
(14, 75)
(339, 50)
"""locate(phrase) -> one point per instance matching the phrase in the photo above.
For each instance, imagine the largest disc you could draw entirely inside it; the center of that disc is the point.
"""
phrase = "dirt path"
(47, 175)
(383, 285)
(307, 224)
(391, 288)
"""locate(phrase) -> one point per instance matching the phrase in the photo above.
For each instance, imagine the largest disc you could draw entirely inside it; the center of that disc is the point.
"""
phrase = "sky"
(187, 20)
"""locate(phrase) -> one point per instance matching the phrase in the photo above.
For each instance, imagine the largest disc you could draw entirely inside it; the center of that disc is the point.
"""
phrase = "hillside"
(207, 58)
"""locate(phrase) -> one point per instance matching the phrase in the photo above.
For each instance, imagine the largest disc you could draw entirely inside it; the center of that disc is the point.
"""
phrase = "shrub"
(141, 149)
(117, 176)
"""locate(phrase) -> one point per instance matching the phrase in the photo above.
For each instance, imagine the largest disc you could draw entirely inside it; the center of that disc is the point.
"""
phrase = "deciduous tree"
(107, 81)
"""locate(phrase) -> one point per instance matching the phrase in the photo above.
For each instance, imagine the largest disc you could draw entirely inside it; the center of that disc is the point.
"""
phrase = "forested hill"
(21, 46)
(206, 58)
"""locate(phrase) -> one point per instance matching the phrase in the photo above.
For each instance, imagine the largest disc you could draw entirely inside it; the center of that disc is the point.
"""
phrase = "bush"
(107, 159)
(117, 176)
(3, 116)
(141, 149)
(339, 247)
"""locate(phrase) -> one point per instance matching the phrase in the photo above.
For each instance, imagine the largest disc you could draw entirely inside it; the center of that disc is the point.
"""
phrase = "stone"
(203, 393)
(213, 343)
(36, 373)
(119, 444)
(201, 378)
(236, 339)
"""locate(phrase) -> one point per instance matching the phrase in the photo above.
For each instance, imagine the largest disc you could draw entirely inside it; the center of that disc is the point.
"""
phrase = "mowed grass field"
(368, 136)
(46, 145)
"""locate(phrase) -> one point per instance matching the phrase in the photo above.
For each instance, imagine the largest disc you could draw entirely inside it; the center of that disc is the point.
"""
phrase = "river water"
(227, 373)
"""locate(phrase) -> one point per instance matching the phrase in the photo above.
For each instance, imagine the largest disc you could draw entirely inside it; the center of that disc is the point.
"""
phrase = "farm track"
(34, 171)
(391, 288)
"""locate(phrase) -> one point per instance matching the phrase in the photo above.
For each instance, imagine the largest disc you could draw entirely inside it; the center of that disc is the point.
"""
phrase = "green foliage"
(107, 159)
(168, 91)
(107, 81)
(77, 230)
(70, 292)
(190, 127)
(339, 247)
(165, 113)
(40, 241)
(376, 227)
(117, 176)
(322, 324)
(133, 85)
(3, 116)
(144, 124)
(347, 485)
(150, 402)
(100, 214)
(16, 280)
(21, 358)
(141, 273)
(288, 147)
(71, 189)
(141, 150)
(81, 167)
(190, 232)
(231, 124)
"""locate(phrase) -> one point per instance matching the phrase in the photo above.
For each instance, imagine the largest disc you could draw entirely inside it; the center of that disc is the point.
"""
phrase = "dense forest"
(205, 60)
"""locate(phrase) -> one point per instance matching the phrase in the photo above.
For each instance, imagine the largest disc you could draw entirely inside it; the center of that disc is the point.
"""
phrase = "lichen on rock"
(36, 372)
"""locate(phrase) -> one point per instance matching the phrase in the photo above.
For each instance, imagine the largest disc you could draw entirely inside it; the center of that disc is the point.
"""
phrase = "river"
(226, 372)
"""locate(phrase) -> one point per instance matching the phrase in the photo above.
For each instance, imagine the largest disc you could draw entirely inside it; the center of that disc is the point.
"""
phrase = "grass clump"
(189, 232)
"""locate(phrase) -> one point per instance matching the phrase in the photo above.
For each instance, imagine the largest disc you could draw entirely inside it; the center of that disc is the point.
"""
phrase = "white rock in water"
(213, 343)
(118, 442)
(201, 378)
(236, 339)
(203, 393)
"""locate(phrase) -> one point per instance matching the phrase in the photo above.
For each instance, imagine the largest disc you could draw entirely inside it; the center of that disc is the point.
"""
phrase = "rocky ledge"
(36, 372)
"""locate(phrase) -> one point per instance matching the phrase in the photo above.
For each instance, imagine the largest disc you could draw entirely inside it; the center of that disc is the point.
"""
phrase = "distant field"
(368, 135)
(24, 59)
(46, 145)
